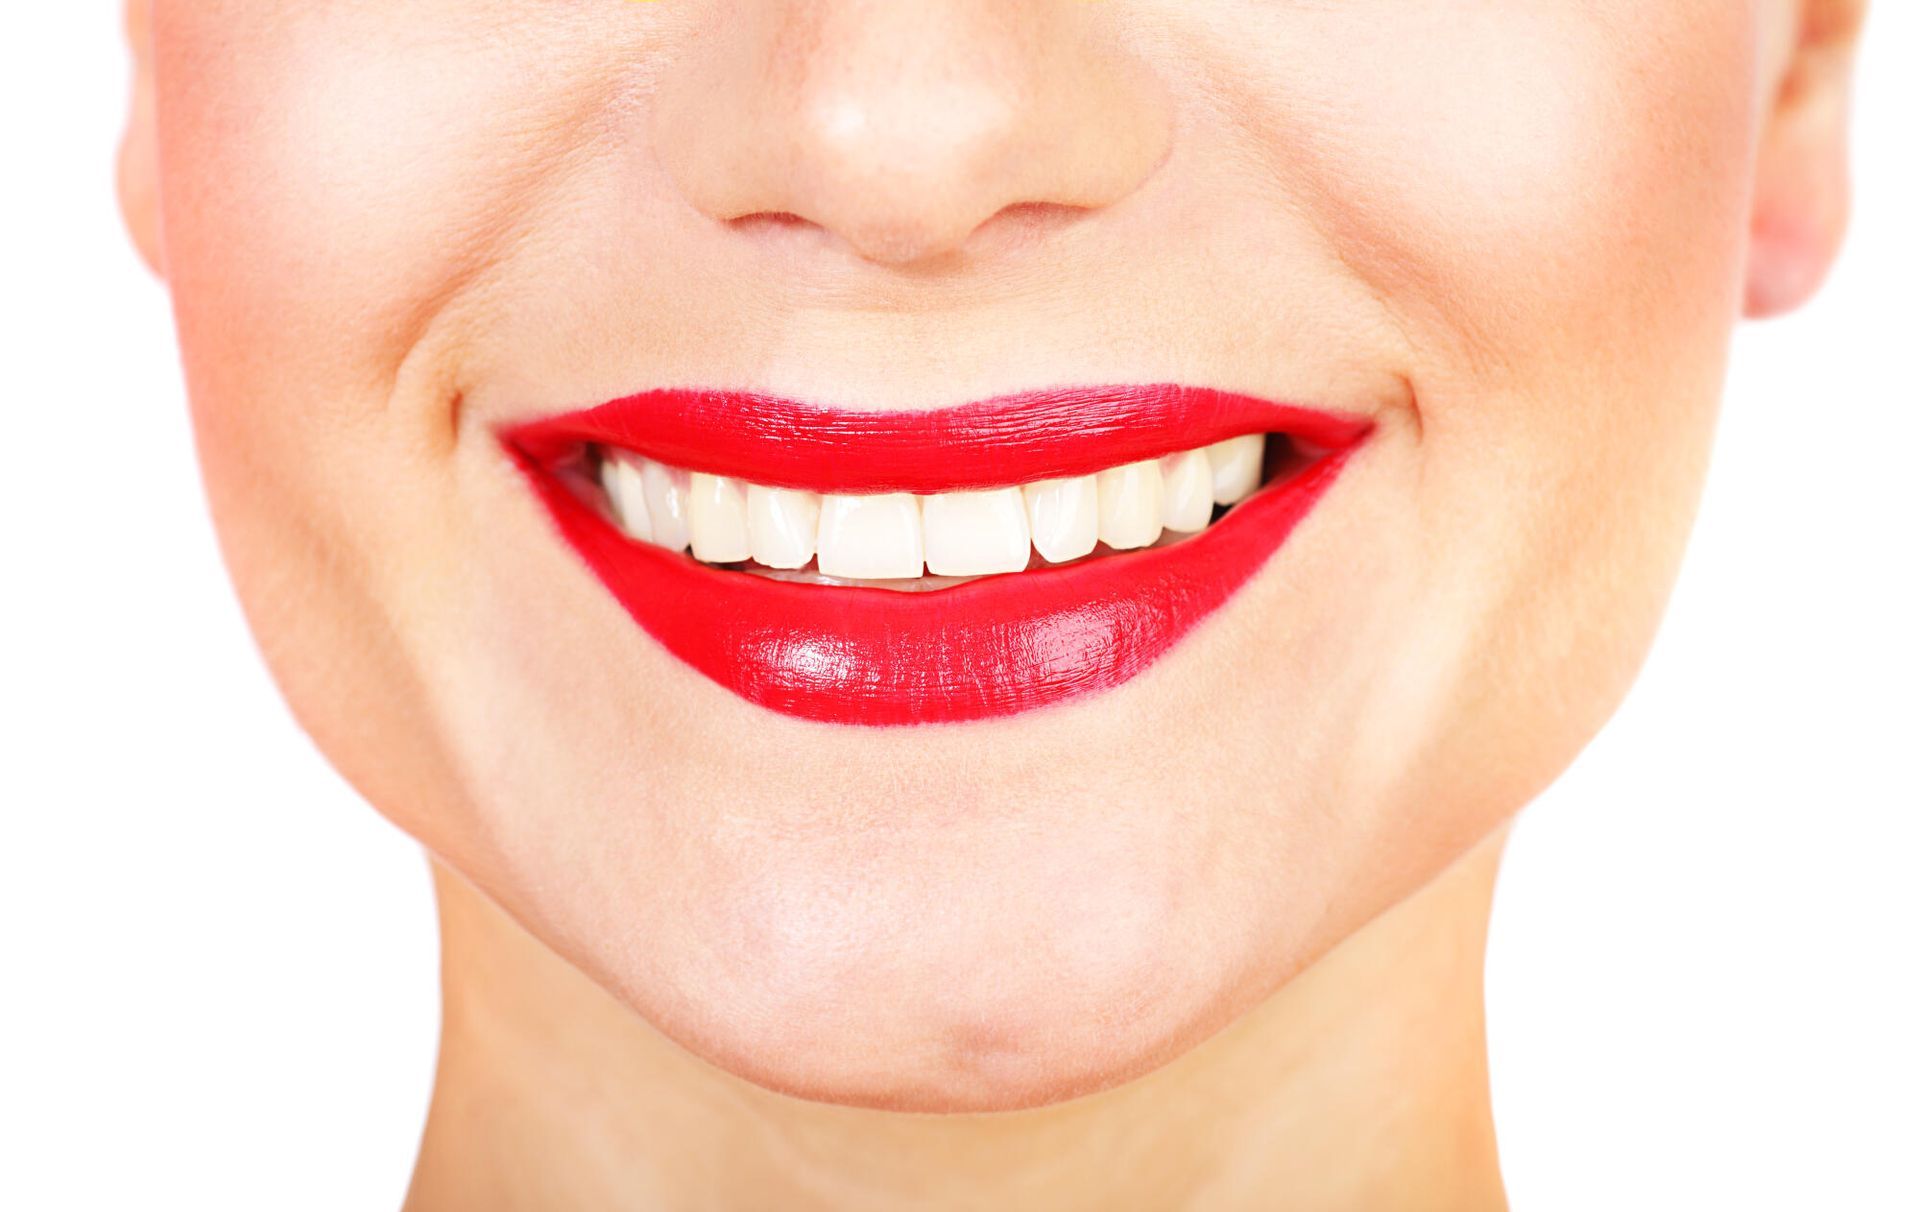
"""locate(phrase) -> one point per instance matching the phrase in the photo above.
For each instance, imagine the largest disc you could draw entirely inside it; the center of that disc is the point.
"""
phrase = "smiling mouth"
(885, 568)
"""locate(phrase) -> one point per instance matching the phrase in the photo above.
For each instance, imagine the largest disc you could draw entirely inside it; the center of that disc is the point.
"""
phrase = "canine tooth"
(1236, 466)
(1186, 491)
(717, 518)
(666, 496)
(871, 537)
(1130, 505)
(620, 476)
(782, 525)
(976, 533)
(1064, 516)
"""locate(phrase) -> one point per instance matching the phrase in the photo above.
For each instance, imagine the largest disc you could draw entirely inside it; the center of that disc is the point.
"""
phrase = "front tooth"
(717, 518)
(970, 534)
(1236, 466)
(666, 496)
(1130, 505)
(1187, 491)
(620, 476)
(1064, 516)
(782, 524)
(871, 537)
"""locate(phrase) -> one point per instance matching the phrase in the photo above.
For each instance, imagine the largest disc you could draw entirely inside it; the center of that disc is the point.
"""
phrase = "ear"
(1801, 191)
(138, 174)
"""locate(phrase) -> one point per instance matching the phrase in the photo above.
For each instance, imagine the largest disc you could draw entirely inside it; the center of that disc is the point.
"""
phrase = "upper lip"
(1010, 439)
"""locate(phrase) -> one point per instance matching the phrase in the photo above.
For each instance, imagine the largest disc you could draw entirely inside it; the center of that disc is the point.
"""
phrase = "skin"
(1203, 940)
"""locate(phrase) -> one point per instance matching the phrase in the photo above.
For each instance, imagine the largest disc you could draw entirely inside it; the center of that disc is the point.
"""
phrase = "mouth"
(890, 568)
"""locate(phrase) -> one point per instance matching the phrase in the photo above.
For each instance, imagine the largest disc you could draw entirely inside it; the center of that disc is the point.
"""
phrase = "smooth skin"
(1209, 940)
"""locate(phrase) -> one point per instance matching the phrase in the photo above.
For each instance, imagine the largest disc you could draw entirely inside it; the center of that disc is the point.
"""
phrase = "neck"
(1361, 1084)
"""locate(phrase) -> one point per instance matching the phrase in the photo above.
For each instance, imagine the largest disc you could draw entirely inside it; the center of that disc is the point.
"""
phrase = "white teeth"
(717, 518)
(1236, 466)
(666, 496)
(871, 537)
(1130, 505)
(620, 476)
(1064, 516)
(973, 534)
(782, 526)
(903, 536)
(1186, 491)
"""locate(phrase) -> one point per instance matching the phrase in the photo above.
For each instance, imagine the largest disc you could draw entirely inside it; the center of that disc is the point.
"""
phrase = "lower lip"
(992, 647)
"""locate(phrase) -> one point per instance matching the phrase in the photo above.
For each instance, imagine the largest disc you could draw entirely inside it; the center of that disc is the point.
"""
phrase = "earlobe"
(1801, 191)
(138, 169)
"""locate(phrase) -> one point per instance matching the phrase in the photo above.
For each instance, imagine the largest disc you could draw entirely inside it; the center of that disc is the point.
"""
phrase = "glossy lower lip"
(991, 647)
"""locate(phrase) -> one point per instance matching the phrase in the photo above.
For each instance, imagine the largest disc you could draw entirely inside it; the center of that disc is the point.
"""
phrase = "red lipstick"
(989, 647)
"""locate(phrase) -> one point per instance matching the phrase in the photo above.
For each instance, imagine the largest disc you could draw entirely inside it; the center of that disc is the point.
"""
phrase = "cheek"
(1533, 179)
(1550, 201)
(321, 201)
(334, 183)
(1556, 209)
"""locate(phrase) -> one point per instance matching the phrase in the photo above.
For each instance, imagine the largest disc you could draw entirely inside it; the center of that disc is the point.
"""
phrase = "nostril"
(770, 223)
(908, 243)
(890, 244)
(769, 220)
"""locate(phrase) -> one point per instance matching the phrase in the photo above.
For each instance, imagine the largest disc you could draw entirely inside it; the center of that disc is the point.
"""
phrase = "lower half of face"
(948, 620)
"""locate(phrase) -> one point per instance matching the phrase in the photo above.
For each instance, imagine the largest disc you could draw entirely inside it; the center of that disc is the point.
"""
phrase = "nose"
(903, 128)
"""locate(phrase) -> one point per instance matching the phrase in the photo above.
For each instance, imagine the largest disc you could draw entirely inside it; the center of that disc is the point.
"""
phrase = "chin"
(947, 1033)
(1005, 968)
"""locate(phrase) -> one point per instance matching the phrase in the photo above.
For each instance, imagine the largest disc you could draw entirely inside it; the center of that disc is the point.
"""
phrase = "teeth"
(871, 537)
(976, 533)
(621, 477)
(1186, 491)
(1064, 516)
(782, 525)
(666, 496)
(1236, 466)
(717, 518)
(1130, 505)
(902, 536)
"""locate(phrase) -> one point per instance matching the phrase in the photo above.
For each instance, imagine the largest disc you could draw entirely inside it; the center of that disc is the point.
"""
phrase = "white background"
(218, 964)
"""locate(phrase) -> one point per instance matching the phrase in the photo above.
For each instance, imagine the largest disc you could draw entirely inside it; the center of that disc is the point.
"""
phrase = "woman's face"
(1509, 237)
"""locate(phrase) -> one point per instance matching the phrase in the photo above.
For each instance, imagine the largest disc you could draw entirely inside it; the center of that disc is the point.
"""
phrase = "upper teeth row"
(897, 535)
